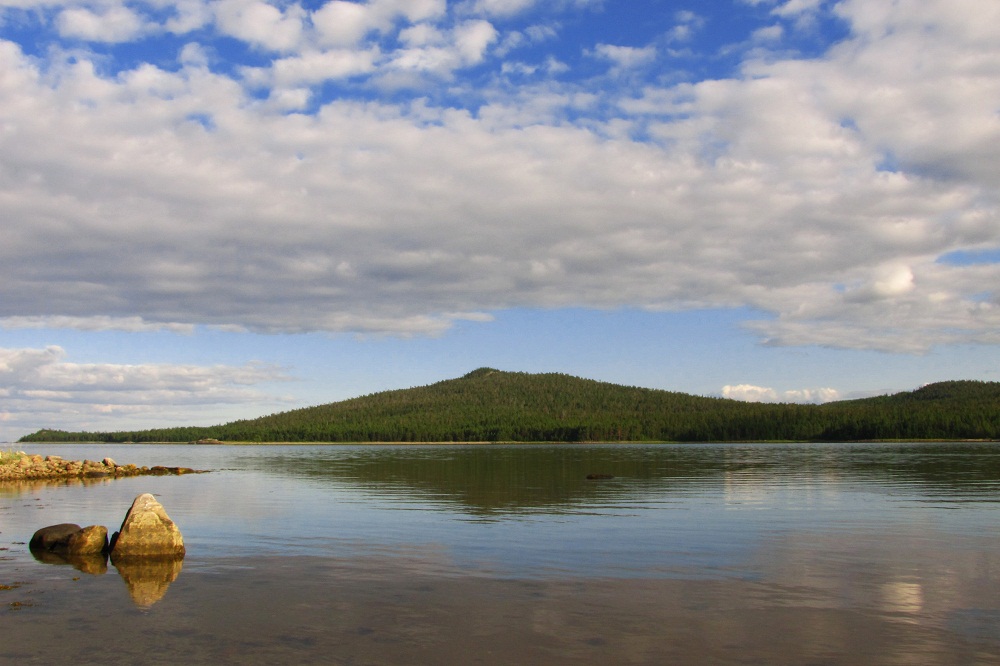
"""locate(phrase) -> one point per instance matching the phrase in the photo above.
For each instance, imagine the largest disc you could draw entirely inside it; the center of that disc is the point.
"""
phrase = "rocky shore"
(24, 467)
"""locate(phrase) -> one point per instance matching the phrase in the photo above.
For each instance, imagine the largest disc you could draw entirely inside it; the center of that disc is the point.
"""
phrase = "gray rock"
(147, 532)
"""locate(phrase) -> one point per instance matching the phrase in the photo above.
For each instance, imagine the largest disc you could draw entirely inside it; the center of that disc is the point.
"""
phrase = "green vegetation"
(10, 456)
(490, 405)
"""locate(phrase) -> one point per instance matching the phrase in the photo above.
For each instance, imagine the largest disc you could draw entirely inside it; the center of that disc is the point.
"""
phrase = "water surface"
(717, 553)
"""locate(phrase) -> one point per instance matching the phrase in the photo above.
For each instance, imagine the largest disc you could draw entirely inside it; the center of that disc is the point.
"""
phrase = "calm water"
(691, 554)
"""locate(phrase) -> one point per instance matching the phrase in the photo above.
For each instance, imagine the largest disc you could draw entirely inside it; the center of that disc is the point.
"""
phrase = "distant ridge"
(493, 405)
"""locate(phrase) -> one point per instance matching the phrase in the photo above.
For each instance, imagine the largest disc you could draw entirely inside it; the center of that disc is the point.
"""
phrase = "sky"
(213, 210)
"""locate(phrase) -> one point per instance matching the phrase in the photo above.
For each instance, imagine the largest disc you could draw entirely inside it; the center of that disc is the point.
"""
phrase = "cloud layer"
(392, 167)
(39, 388)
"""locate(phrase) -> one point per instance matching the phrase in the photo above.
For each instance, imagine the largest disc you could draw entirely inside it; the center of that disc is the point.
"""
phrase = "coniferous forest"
(491, 405)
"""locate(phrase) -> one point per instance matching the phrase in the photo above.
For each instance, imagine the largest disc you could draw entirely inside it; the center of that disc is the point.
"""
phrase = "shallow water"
(721, 554)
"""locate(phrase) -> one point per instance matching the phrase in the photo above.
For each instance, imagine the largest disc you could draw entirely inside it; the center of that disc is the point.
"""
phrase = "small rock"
(108, 462)
(50, 538)
(91, 540)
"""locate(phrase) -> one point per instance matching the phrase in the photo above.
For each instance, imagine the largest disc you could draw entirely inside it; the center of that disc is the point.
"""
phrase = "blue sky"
(217, 210)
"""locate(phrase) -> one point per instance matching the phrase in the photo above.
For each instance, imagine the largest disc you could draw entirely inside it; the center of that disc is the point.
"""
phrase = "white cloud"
(510, 8)
(751, 393)
(472, 39)
(315, 67)
(415, 10)
(501, 7)
(260, 23)
(626, 57)
(188, 15)
(294, 99)
(819, 191)
(771, 33)
(688, 23)
(797, 7)
(116, 23)
(893, 281)
(440, 53)
(343, 23)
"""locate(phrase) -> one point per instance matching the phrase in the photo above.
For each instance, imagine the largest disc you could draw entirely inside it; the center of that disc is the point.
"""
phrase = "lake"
(501, 554)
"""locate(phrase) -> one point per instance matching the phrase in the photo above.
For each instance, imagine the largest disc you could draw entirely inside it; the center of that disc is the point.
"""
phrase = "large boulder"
(147, 532)
(70, 539)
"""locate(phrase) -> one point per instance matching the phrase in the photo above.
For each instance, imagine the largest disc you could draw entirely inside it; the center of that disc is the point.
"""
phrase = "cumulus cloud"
(188, 15)
(343, 23)
(688, 23)
(796, 7)
(626, 57)
(501, 7)
(818, 191)
(313, 67)
(508, 8)
(261, 23)
(751, 393)
(116, 23)
(42, 383)
(433, 51)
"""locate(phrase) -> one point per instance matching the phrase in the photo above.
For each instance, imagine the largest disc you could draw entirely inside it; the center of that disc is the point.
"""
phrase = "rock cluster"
(28, 467)
(146, 532)
(147, 550)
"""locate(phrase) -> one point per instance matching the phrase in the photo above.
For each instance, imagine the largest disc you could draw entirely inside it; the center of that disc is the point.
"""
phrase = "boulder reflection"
(148, 579)
(88, 564)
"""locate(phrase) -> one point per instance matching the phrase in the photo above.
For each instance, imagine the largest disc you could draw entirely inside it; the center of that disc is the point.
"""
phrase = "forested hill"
(491, 405)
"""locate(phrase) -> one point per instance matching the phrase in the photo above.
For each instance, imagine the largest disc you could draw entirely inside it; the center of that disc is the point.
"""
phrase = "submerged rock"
(147, 532)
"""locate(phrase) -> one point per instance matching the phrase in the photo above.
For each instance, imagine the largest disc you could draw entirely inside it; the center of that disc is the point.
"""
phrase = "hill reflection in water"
(496, 479)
